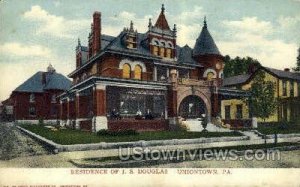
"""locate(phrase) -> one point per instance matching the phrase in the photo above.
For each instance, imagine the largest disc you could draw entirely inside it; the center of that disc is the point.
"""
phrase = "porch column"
(99, 102)
(68, 112)
(77, 110)
(172, 107)
(61, 113)
(155, 73)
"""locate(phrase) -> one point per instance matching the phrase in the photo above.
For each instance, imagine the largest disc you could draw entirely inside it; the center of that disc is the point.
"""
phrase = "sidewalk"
(62, 159)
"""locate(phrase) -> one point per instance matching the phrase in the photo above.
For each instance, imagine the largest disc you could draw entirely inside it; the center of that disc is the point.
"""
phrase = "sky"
(35, 33)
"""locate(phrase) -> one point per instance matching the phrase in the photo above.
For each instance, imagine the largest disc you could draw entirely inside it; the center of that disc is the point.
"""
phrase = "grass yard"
(272, 129)
(70, 136)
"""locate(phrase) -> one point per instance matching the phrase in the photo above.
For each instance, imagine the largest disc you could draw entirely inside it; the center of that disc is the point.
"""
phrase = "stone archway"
(204, 95)
(192, 107)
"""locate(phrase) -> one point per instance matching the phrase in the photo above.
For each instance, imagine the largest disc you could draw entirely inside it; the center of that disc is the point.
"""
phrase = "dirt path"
(15, 144)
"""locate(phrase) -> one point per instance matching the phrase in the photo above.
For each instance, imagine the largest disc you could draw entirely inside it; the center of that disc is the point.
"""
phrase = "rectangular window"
(284, 88)
(162, 52)
(298, 89)
(53, 110)
(291, 89)
(169, 53)
(32, 111)
(32, 98)
(155, 50)
(239, 111)
(227, 112)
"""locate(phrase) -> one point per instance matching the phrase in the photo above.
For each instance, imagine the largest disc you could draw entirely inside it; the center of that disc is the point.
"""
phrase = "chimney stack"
(96, 32)
(287, 69)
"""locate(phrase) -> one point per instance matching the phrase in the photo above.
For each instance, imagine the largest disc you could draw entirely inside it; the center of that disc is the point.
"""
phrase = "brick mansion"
(146, 82)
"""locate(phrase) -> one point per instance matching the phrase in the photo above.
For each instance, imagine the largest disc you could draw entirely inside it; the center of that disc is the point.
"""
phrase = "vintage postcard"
(149, 93)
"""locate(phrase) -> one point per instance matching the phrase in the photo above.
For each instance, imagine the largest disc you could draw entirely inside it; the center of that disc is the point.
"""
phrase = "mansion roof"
(42, 81)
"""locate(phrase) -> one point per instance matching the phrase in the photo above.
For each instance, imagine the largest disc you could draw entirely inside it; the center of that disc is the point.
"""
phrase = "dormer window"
(32, 98)
(130, 37)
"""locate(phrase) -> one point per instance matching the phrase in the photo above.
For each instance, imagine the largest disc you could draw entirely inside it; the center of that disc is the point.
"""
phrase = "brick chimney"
(287, 69)
(96, 32)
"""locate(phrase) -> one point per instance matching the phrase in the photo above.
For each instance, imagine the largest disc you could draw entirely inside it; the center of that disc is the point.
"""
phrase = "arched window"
(138, 72)
(169, 53)
(210, 76)
(126, 71)
(155, 50)
(162, 52)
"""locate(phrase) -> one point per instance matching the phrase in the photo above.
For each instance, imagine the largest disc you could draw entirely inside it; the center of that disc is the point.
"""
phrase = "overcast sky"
(36, 33)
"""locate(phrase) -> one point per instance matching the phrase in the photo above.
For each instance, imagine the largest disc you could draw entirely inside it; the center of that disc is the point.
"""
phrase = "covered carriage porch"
(115, 104)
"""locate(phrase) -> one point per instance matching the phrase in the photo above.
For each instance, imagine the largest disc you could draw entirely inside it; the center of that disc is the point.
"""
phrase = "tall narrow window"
(227, 112)
(291, 89)
(126, 71)
(239, 111)
(169, 53)
(138, 72)
(298, 83)
(284, 88)
(32, 98)
(155, 50)
(32, 111)
(53, 99)
(162, 52)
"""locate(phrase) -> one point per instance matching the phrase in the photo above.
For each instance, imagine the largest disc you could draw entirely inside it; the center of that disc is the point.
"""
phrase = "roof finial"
(131, 25)
(50, 68)
(162, 8)
(150, 23)
(79, 44)
(205, 24)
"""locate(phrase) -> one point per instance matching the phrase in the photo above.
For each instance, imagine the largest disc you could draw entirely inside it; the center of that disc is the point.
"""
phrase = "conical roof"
(205, 44)
(162, 22)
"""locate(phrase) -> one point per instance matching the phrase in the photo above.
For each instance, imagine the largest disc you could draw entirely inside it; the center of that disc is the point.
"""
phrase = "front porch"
(107, 103)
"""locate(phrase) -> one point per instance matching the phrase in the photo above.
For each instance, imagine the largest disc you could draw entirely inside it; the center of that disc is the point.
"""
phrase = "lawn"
(70, 136)
(272, 129)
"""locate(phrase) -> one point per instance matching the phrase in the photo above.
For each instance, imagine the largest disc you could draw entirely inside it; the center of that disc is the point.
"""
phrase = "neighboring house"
(7, 110)
(287, 91)
(36, 98)
(133, 74)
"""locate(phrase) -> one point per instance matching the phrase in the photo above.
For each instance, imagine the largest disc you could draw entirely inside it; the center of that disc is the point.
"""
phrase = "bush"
(128, 132)
(41, 122)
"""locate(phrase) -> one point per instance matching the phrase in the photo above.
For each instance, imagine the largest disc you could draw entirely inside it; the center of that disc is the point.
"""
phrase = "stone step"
(196, 126)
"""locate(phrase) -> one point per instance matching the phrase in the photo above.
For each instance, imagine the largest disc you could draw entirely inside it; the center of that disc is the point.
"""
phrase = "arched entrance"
(192, 107)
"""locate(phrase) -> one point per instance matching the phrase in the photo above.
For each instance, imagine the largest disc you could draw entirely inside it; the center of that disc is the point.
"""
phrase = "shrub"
(41, 122)
(128, 132)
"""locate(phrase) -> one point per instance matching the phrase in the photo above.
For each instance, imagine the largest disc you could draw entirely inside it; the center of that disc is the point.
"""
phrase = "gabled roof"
(205, 44)
(52, 80)
(283, 74)
(162, 22)
(241, 79)
(236, 80)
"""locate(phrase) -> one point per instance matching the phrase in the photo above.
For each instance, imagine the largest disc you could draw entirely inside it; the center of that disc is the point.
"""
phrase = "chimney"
(287, 69)
(96, 32)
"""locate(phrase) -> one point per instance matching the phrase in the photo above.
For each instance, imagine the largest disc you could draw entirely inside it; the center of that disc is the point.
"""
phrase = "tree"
(238, 65)
(297, 68)
(262, 100)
